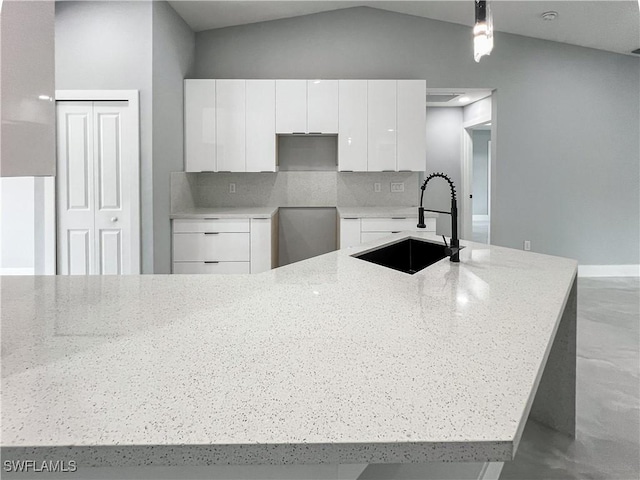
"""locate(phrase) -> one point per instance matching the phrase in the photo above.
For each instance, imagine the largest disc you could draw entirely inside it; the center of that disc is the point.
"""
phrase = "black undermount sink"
(408, 256)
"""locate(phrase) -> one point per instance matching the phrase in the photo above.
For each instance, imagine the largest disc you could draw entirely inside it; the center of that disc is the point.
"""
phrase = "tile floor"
(607, 443)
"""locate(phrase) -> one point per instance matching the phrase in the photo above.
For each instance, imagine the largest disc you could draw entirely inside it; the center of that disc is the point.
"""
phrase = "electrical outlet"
(232, 188)
(397, 187)
(527, 245)
(377, 187)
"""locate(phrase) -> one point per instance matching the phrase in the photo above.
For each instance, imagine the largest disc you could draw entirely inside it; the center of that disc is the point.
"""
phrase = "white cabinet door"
(230, 125)
(211, 267)
(261, 126)
(291, 106)
(367, 237)
(202, 247)
(217, 225)
(392, 224)
(199, 125)
(412, 125)
(349, 232)
(261, 244)
(352, 134)
(322, 106)
(382, 125)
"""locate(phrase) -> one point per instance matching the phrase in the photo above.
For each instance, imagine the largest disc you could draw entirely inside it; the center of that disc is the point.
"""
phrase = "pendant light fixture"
(482, 30)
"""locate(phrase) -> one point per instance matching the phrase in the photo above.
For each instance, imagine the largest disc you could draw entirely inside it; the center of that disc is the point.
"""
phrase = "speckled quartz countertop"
(227, 212)
(373, 212)
(332, 359)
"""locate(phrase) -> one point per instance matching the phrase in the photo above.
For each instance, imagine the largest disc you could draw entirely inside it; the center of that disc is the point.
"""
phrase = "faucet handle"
(421, 218)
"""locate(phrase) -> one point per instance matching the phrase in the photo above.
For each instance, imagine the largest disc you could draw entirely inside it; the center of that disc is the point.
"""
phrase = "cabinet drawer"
(372, 236)
(193, 247)
(211, 268)
(211, 225)
(389, 224)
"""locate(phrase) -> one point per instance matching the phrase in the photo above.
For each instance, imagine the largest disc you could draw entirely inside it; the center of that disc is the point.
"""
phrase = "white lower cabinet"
(211, 246)
(211, 267)
(356, 231)
(349, 232)
(223, 246)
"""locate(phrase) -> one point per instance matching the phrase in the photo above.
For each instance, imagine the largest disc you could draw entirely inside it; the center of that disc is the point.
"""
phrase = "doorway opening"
(481, 183)
(477, 146)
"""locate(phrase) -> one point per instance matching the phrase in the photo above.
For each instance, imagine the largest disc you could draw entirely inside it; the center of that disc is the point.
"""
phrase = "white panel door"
(230, 125)
(98, 220)
(291, 106)
(412, 125)
(261, 126)
(199, 125)
(113, 174)
(322, 106)
(352, 135)
(76, 196)
(382, 125)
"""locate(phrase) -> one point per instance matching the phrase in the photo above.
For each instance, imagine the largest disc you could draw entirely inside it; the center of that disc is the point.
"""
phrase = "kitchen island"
(332, 361)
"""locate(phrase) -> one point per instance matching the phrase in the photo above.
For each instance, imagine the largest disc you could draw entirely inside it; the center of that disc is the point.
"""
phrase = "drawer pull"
(211, 261)
(211, 233)
(396, 232)
(350, 218)
(213, 218)
(398, 218)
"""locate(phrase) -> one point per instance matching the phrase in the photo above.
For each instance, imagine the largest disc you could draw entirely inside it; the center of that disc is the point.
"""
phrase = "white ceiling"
(612, 25)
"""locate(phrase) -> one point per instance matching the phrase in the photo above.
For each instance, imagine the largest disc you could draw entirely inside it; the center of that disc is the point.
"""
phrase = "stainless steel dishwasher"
(305, 232)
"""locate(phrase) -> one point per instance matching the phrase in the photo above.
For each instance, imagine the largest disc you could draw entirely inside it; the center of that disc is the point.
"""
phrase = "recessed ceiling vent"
(441, 97)
(636, 51)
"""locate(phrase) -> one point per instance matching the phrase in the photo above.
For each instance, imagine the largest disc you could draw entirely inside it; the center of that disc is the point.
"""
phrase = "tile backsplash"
(292, 189)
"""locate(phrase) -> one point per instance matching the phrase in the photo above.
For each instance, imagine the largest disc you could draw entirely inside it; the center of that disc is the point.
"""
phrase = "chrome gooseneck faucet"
(453, 250)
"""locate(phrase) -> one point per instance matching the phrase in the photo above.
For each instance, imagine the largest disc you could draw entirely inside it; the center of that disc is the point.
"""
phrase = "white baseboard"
(480, 218)
(17, 271)
(608, 270)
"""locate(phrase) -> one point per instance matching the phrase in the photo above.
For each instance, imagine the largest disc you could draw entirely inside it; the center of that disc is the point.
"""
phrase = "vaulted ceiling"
(612, 25)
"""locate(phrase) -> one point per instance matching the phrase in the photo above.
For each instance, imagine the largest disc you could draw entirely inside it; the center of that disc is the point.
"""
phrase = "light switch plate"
(527, 245)
(377, 187)
(232, 188)
(397, 187)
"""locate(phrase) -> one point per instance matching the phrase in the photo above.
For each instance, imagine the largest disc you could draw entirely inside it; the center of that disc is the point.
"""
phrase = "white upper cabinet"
(199, 125)
(291, 106)
(412, 120)
(261, 126)
(352, 134)
(322, 106)
(230, 125)
(382, 125)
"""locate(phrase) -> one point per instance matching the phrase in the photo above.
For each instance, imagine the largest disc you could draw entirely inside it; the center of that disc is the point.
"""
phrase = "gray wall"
(107, 46)
(480, 171)
(173, 59)
(567, 168)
